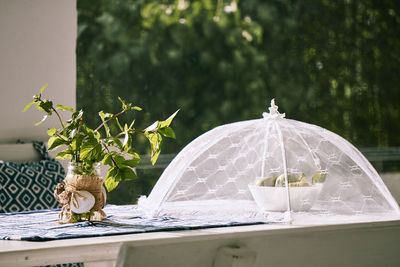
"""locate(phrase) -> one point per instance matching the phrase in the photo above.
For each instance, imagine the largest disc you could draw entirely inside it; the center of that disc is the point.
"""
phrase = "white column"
(37, 46)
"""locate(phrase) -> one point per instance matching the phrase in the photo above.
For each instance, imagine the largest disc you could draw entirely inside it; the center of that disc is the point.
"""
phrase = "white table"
(359, 244)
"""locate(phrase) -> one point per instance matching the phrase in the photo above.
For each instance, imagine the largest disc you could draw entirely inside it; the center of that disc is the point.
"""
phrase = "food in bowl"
(270, 193)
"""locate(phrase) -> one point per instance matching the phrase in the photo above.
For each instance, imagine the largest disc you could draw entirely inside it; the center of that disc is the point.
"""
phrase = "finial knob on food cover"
(273, 111)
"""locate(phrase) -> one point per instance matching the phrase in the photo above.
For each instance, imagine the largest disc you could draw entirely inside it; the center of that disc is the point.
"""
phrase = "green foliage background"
(330, 63)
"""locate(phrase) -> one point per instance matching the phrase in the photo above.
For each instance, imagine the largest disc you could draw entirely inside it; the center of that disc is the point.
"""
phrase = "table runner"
(43, 226)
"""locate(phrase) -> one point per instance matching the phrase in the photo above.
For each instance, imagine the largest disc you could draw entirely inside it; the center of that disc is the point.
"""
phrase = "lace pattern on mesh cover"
(214, 176)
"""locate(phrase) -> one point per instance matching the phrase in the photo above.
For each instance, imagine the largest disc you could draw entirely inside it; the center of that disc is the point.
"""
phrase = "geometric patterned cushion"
(30, 186)
(78, 264)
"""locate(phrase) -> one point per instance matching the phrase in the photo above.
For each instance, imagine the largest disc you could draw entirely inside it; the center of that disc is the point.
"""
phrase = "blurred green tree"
(330, 63)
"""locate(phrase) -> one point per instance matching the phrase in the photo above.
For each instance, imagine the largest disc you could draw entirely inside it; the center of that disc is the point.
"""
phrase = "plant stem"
(108, 151)
(112, 117)
(59, 118)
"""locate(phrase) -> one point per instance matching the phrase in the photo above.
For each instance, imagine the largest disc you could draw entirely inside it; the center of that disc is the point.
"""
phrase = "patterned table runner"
(43, 225)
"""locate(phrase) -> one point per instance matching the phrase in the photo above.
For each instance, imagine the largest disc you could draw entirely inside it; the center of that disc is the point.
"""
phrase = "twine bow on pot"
(67, 194)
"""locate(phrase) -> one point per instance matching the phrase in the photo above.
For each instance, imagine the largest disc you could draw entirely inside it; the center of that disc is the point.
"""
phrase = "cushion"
(30, 186)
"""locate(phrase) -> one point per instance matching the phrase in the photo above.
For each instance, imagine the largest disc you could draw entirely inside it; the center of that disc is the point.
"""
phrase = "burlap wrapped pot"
(71, 195)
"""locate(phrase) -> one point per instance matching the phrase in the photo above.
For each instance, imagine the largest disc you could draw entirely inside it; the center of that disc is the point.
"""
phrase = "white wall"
(37, 46)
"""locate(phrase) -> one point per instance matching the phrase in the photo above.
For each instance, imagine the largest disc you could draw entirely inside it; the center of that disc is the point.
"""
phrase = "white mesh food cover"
(271, 169)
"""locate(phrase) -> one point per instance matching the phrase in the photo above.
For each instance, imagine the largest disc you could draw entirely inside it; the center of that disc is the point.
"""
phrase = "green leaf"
(54, 142)
(132, 162)
(118, 143)
(119, 125)
(90, 150)
(155, 155)
(119, 159)
(153, 128)
(112, 179)
(77, 115)
(27, 106)
(92, 134)
(66, 154)
(89, 132)
(45, 105)
(126, 138)
(122, 101)
(125, 106)
(168, 121)
(131, 125)
(64, 108)
(107, 129)
(127, 173)
(167, 132)
(63, 137)
(122, 162)
(76, 142)
(73, 132)
(104, 117)
(51, 131)
(116, 174)
(126, 144)
(40, 122)
(43, 87)
(155, 140)
(96, 135)
(107, 158)
(110, 183)
(99, 157)
(137, 108)
(133, 154)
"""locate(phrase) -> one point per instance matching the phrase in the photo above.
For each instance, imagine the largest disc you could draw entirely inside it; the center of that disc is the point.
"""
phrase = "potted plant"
(82, 194)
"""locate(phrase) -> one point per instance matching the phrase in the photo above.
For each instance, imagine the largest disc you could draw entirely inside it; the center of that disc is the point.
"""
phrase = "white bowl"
(270, 198)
